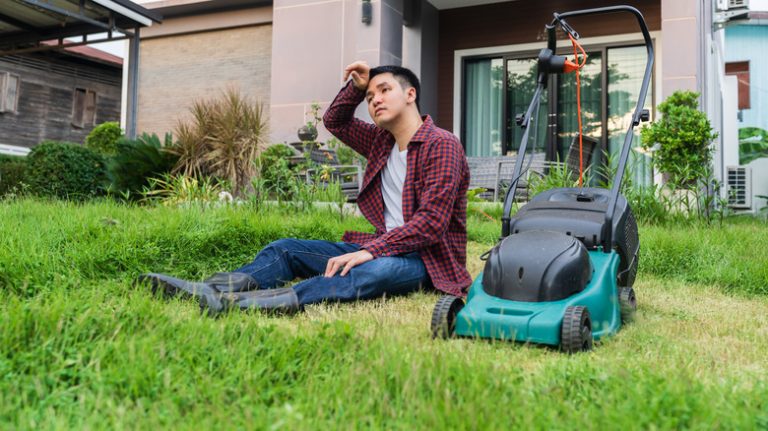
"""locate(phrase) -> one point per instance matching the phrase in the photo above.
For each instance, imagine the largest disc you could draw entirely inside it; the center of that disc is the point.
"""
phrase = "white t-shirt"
(392, 179)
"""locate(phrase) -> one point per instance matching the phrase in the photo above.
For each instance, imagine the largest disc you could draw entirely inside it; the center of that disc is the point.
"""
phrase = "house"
(52, 85)
(56, 95)
(745, 160)
(474, 57)
(202, 48)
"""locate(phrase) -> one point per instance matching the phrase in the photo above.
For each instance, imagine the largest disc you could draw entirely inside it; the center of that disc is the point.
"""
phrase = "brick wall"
(177, 70)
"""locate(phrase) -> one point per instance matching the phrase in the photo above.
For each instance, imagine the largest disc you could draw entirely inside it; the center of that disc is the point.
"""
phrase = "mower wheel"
(628, 303)
(444, 316)
(576, 332)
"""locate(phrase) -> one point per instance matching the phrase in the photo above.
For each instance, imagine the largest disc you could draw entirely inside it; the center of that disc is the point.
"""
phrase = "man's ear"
(411, 94)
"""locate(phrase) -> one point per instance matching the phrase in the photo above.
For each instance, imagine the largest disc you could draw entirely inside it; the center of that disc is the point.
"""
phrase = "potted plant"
(308, 132)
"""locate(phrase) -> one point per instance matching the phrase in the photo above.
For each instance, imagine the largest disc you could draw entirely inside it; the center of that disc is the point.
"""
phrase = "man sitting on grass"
(413, 193)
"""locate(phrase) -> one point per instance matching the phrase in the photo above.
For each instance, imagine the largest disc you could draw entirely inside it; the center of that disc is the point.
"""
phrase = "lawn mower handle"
(636, 117)
(551, 29)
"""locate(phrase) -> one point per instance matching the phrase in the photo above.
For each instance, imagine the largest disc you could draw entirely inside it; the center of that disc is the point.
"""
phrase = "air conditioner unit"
(726, 5)
(739, 187)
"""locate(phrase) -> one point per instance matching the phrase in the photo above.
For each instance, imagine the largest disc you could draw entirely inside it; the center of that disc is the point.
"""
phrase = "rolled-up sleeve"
(340, 120)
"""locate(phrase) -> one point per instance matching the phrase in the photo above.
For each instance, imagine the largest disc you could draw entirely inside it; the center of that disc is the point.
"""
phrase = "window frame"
(740, 69)
(4, 84)
(83, 113)
(552, 127)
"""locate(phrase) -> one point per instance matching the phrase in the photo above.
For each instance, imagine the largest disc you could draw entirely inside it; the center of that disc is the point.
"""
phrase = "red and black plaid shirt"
(434, 193)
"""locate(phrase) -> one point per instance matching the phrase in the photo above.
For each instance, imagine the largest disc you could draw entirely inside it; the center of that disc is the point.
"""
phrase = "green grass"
(81, 348)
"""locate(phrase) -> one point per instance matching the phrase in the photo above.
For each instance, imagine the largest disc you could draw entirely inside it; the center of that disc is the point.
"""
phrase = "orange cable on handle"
(578, 102)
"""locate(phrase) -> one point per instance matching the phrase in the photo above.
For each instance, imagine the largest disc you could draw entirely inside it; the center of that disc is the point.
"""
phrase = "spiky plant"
(223, 139)
(190, 150)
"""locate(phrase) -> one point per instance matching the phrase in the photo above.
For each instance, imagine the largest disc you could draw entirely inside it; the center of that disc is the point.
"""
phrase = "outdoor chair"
(494, 174)
(537, 166)
(572, 160)
(322, 156)
(325, 156)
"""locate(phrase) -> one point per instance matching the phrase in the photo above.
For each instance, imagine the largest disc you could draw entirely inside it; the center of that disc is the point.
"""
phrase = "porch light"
(367, 15)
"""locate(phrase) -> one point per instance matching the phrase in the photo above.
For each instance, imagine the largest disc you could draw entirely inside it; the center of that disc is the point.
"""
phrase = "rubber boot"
(171, 286)
(223, 291)
(273, 301)
(226, 282)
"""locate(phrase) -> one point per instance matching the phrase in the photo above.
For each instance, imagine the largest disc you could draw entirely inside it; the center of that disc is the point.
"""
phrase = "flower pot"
(307, 133)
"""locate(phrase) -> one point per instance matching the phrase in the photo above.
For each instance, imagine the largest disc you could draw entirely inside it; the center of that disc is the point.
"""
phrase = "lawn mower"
(563, 269)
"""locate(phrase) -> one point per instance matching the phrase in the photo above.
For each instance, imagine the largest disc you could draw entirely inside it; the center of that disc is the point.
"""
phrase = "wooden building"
(52, 85)
(57, 95)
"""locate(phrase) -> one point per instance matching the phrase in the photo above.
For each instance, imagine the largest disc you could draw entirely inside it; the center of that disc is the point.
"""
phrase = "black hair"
(404, 76)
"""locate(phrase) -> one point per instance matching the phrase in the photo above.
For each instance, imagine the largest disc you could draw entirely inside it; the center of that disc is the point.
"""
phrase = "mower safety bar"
(638, 114)
(559, 21)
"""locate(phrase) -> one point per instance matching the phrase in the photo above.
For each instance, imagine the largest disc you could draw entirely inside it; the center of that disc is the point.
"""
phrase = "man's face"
(387, 99)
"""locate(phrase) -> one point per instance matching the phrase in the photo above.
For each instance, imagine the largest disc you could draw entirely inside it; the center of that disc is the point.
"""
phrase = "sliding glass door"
(521, 84)
(591, 108)
(497, 89)
(483, 115)
(626, 66)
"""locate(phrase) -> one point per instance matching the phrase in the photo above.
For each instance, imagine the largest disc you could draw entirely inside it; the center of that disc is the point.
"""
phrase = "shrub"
(12, 172)
(138, 160)
(271, 155)
(557, 176)
(345, 154)
(684, 135)
(104, 138)
(276, 176)
(753, 144)
(8, 158)
(222, 140)
(65, 170)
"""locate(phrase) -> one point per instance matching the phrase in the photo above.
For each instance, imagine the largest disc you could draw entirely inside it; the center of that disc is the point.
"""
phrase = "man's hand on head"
(359, 71)
(345, 262)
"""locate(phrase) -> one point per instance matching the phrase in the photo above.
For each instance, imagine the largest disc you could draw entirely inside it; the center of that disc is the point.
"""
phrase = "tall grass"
(47, 241)
(81, 348)
(44, 244)
(733, 257)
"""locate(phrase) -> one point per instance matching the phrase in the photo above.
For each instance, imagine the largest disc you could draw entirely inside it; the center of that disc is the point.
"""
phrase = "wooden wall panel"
(46, 99)
(517, 22)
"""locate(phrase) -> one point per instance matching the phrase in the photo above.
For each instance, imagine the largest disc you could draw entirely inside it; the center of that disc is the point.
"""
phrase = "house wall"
(178, 70)
(521, 22)
(683, 39)
(46, 98)
(313, 41)
(191, 58)
(750, 43)
(420, 48)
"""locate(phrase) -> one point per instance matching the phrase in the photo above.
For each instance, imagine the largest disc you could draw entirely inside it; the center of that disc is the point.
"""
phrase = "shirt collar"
(424, 130)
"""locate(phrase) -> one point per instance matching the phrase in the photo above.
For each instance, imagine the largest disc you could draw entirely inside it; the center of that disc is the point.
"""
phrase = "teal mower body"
(488, 316)
(563, 269)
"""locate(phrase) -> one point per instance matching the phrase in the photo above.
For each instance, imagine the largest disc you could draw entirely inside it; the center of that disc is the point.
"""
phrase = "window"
(84, 108)
(498, 87)
(9, 92)
(740, 69)
(483, 114)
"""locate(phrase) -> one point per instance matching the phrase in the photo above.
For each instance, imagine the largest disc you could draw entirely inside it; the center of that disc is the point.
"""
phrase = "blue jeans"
(286, 259)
